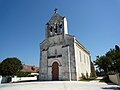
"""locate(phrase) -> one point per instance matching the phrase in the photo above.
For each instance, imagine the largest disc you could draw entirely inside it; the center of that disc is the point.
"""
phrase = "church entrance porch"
(55, 71)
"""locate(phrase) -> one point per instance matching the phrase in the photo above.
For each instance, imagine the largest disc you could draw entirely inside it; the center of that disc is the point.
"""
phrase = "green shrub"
(22, 74)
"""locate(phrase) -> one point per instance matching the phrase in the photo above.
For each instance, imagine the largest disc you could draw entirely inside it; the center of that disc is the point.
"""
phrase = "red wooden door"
(55, 71)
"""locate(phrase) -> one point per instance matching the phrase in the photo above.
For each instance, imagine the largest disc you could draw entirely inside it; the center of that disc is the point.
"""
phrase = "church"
(62, 56)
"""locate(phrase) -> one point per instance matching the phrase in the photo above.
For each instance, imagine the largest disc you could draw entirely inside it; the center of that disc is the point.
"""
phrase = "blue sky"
(95, 23)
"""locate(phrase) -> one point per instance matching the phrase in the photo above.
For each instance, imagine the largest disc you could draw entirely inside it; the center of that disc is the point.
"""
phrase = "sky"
(94, 23)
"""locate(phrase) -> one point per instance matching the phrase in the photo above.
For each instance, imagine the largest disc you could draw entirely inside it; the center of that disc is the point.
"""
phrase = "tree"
(117, 47)
(114, 55)
(103, 63)
(110, 62)
(10, 66)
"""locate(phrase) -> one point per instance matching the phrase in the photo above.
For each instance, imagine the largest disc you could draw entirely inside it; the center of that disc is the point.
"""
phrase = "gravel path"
(59, 85)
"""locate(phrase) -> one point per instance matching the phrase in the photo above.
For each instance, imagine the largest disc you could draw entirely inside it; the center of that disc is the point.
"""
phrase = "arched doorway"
(55, 71)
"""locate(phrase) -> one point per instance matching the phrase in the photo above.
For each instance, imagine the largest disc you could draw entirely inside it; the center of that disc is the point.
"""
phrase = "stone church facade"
(62, 57)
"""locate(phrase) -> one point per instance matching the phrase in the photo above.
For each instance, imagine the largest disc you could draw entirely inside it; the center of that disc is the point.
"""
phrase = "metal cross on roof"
(55, 10)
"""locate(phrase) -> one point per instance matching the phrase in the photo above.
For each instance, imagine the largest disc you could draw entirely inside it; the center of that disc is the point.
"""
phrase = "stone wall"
(65, 63)
(43, 66)
(82, 58)
(17, 79)
(0, 79)
(65, 51)
(115, 78)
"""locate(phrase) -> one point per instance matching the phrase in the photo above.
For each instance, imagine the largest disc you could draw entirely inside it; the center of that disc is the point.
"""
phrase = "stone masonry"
(62, 57)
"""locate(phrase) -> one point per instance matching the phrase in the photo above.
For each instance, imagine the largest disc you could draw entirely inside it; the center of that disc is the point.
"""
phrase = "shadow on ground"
(111, 88)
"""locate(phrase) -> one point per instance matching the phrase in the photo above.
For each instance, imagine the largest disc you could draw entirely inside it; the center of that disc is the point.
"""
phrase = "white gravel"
(59, 85)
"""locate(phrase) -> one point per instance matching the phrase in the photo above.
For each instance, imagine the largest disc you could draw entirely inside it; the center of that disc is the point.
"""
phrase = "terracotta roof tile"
(28, 68)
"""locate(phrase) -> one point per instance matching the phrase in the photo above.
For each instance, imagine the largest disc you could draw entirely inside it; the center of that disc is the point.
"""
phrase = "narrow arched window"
(51, 28)
(55, 52)
(60, 28)
(55, 28)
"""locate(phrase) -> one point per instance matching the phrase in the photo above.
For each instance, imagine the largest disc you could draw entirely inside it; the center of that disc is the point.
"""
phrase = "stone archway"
(55, 71)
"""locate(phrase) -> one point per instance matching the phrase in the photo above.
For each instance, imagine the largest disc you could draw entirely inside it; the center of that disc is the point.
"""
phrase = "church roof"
(29, 68)
(55, 17)
(79, 44)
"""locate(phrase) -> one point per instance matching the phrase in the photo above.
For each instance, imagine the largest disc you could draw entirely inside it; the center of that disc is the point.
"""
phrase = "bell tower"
(57, 25)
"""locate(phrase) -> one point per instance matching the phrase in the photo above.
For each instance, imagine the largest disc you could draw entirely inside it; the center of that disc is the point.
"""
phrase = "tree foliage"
(10, 66)
(110, 62)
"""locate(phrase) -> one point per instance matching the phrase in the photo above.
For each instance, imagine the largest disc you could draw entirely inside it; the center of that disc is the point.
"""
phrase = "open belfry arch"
(62, 57)
(57, 25)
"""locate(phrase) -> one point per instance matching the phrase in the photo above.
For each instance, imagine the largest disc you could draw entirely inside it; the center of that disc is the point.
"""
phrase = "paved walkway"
(59, 85)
